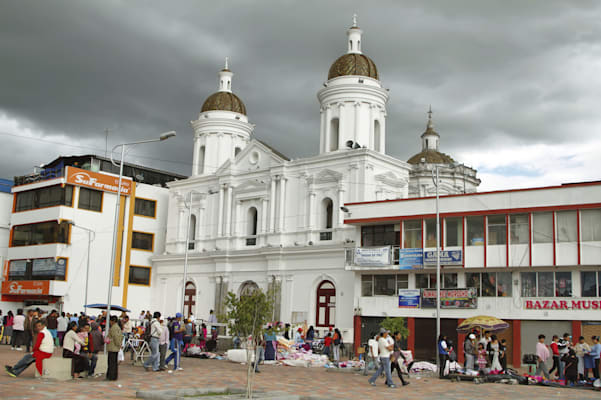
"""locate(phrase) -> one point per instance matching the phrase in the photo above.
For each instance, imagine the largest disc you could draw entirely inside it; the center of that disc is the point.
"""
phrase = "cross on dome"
(355, 20)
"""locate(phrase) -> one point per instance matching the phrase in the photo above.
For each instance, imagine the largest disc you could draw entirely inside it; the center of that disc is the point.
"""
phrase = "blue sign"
(447, 257)
(411, 258)
(409, 298)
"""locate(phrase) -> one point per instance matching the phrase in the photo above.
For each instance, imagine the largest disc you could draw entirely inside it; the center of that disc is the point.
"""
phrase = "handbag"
(120, 356)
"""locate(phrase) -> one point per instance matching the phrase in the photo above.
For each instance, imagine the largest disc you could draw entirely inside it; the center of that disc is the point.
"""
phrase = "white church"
(260, 219)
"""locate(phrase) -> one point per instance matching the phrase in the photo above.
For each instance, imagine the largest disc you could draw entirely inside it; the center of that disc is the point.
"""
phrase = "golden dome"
(224, 101)
(353, 64)
(431, 157)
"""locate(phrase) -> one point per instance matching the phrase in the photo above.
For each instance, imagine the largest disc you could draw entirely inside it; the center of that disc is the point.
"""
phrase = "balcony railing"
(45, 174)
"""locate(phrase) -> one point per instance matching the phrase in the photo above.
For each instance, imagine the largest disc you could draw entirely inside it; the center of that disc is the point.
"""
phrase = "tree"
(247, 316)
(396, 325)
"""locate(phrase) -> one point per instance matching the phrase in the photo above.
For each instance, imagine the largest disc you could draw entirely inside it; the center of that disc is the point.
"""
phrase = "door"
(326, 304)
(190, 299)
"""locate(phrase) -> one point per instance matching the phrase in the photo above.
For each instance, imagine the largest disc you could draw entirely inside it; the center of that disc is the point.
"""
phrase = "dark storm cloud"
(494, 72)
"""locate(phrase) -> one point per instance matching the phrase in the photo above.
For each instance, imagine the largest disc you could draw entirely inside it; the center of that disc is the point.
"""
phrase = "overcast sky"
(515, 86)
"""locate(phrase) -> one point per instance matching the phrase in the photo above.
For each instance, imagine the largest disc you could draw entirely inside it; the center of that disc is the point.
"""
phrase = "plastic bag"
(120, 356)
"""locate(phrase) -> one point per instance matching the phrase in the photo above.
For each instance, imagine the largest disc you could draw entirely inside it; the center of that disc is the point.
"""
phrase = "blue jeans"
(259, 356)
(153, 360)
(176, 346)
(384, 366)
(23, 363)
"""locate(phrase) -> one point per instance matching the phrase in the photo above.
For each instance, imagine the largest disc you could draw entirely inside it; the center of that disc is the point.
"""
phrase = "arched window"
(350, 43)
(327, 207)
(192, 232)
(201, 160)
(326, 304)
(237, 151)
(247, 288)
(229, 85)
(377, 135)
(334, 126)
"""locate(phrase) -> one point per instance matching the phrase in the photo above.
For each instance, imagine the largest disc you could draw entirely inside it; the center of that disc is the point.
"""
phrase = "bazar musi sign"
(95, 180)
(574, 304)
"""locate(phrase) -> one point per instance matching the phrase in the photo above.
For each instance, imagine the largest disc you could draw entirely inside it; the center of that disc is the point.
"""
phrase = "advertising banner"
(450, 298)
(366, 256)
(447, 257)
(25, 287)
(411, 258)
(98, 181)
(409, 298)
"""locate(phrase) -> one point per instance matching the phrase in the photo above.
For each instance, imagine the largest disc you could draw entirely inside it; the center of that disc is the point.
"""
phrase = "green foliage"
(396, 325)
(247, 315)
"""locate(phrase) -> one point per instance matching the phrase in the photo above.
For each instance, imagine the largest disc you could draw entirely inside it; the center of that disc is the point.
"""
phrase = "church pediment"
(255, 156)
(390, 179)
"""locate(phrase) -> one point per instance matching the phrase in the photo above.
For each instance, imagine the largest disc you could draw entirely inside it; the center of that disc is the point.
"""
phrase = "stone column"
(282, 220)
(327, 130)
(357, 111)
(220, 213)
(340, 204)
(311, 209)
(263, 216)
(371, 144)
(342, 122)
(228, 211)
(322, 131)
(272, 205)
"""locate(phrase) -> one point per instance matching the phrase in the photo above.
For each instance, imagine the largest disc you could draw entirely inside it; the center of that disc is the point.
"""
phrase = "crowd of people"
(384, 350)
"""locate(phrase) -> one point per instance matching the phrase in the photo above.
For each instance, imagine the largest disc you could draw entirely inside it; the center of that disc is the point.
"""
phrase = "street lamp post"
(164, 136)
(91, 237)
(436, 183)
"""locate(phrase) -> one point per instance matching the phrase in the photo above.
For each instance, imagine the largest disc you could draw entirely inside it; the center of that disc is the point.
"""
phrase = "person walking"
(595, 354)
(42, 349)
(397, 359)
(443, 354)
(8, 328)
(542, 354)
(469, 351)
(61, 328)
(581, 348)
(177, 341)
(155, 337)
(384, 349)
(18, 330)
(163, 344)
(115, 338)
(555, 351)
(259, 352)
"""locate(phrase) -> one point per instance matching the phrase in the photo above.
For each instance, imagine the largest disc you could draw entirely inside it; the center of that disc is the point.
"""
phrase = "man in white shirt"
(372, 353)
(385, 348)
(155, 334)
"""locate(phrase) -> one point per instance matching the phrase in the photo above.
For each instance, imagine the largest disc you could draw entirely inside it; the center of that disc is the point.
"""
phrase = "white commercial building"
(68, 207)
(260, 219)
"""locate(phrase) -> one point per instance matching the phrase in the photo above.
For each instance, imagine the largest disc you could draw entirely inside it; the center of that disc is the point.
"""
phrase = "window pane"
(563, 284)
(384, 285)
(588, 282)
(454, 232)
(367, 285)
(431, 232)
(518, 225)
(497, 230)
(475, 231)
(449, 281)
(591, 225)
(422, 281)
(139, 275)
(545, 284)
(528, 280)
(472, 280)
(40, 233)
(142, 240)
(543, 227)
(413, 234)
(145, 207)
(504, 284)
(489, 284)
(90, 199)
(402, 281)
(566, 226)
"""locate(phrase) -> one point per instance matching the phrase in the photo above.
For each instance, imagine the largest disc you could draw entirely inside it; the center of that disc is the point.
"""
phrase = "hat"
(92, 318)
(178, 315)
(383, 331)
(472, 336)
(300, 329)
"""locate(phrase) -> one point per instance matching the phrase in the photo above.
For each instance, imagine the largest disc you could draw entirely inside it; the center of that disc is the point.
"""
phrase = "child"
(481, 356)
(555, 349)
(327, 343)
(571, 369)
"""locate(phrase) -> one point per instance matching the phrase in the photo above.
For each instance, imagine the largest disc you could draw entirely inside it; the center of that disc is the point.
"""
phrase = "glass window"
(413, 234)
(90, 199)
(566, 226)
(503, 284)
(475, 231)
(497, 230)
(384, 285)
(519, 230)
(422, 281)
(431, 232)
(146, 208)
(528, 280)
(142, 241)
(41, 269)
(402, 281)
(454, 232)
(542, 227)
(563, 284)
(489, 284)
(40, 233)
(139, 275)
(588, 282)
(44, 197)
(545, 284)
(472, 280)
(367, 285)
(449, 280)
(380, 235)
(591, 225)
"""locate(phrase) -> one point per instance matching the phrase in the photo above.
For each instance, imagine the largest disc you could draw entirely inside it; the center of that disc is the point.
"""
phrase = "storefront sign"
(367, 256)
(451, 298)
(447, 257)
(95, 180)
(409, 298)
(26, 287)
(411, 258)
(572, 304)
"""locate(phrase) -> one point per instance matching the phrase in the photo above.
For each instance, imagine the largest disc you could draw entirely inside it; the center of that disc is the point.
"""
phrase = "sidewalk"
(304, 381)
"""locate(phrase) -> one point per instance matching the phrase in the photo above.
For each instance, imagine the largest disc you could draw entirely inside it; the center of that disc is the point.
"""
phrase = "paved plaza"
(306, 381)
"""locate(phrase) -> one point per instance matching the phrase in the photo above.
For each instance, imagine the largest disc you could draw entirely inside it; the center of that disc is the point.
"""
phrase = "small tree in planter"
(247, 316)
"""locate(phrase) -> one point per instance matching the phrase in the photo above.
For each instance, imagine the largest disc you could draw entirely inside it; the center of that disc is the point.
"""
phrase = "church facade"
(250, 217)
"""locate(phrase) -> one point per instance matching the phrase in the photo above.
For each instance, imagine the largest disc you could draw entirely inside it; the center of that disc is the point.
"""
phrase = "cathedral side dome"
(431, 157)
(224, 101)
(353, 64)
